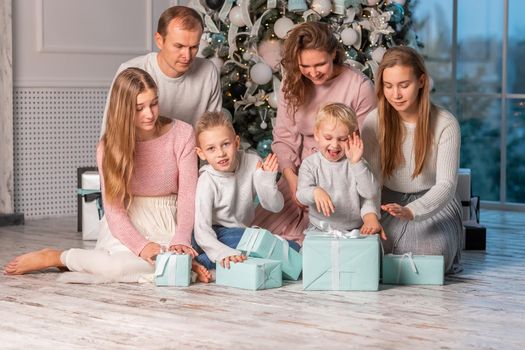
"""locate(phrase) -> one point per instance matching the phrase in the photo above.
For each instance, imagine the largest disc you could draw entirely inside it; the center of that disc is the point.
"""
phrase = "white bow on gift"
(329, 231)
(411, 262)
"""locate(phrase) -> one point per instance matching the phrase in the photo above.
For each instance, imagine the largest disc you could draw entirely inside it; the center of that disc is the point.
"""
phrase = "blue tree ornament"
(264, 147)
(398, 12)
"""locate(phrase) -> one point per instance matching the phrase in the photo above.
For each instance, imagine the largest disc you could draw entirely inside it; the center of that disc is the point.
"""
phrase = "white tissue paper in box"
(90, 219)
(463, 190)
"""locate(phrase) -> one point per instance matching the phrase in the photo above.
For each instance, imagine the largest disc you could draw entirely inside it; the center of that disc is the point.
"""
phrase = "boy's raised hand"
(354, 148)
(270, 164)
(233, 258)
(323, 202)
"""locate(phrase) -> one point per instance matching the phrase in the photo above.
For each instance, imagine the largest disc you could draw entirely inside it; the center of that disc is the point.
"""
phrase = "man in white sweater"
(226, 190)
(187, 85)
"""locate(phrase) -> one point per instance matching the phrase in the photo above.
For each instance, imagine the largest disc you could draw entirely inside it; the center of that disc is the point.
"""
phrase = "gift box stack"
(474, 237)
(270, 260)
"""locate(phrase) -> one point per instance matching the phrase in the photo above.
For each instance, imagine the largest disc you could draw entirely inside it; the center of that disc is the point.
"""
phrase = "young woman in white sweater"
(413, 148)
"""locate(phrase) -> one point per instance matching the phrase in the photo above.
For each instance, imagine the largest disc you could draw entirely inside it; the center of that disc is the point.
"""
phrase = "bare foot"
(203, 275)
(34, 261)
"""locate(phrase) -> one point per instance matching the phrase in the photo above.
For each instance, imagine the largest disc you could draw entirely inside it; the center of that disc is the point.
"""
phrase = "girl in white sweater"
(413, 149)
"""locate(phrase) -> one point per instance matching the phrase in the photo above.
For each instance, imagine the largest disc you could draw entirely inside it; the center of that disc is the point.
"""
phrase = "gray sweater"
(227, 199)
(440, 174)
(350, 186)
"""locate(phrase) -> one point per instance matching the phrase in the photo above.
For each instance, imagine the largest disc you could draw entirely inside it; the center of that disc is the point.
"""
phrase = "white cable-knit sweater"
(227, 199)
(439, 176)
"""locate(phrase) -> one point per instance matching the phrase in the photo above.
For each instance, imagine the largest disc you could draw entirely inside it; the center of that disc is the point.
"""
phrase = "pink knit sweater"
(163, 166)
(293, 135)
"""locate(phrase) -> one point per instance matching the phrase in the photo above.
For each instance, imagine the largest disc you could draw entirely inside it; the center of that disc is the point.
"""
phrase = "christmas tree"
(244, 38)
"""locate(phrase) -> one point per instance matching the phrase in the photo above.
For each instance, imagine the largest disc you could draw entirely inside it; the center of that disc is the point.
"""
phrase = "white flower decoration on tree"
(377, 24)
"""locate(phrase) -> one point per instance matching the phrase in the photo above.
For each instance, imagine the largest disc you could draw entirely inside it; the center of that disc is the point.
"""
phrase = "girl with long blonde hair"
(314, 74)
(413, 147)
(148, 180)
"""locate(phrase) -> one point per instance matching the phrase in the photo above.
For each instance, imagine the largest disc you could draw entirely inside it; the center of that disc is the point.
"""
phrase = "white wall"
(79, 43)
(65, 54)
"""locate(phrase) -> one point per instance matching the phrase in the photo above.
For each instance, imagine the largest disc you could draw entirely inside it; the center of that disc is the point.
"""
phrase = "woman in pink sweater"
(314, 74)
(149, 177)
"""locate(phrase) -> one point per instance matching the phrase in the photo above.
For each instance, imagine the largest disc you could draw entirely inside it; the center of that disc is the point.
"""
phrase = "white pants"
(111, 261)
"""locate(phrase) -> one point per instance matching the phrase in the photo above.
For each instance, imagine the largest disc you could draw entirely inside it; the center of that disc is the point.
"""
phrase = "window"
(475, 52)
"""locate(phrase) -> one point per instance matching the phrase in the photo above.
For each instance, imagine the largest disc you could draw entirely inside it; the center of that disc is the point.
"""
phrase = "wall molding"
(44, 47)
(62, 83)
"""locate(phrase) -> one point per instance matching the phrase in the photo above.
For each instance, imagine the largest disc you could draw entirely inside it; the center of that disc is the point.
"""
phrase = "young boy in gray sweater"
(335, 182)
(226, 189)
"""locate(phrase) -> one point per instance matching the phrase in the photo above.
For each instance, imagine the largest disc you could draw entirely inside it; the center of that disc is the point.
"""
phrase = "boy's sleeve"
(367, 186)
(306, 184)
(204, 234)
(266, 187)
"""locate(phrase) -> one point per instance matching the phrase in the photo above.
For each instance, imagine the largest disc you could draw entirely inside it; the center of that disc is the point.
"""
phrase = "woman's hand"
(371, 226)
(354, 148)
(183, 249)
(291, 178)
(398, 211)
(270, 164)
(323, 202)
(150, 251)
(233, 258)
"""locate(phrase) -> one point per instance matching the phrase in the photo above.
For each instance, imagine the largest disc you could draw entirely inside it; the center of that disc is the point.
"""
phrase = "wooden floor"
(483, 308)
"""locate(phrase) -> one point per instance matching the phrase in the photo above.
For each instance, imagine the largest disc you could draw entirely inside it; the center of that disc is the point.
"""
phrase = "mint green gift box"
(261, 243)
(253, 274)
(173, 269)
(338, 262)
(413, 269)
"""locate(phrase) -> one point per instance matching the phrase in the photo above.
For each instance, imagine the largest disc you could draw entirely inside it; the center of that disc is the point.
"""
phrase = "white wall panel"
(79, 43)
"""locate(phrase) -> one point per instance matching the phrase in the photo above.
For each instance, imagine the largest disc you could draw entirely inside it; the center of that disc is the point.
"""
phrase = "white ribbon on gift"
(336, 281)
(171, 270)
(166, 266)
(335, 248)
(412, 264)
(263, 276)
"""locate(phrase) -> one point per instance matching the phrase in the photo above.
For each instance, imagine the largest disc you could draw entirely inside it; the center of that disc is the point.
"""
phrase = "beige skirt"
(153, 217)
(111, 261)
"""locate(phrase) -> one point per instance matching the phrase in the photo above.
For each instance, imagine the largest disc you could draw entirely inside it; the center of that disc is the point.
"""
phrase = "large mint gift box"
(260, 243)
(254, 274)
(338, 262)
(173, 270)
(413, 269)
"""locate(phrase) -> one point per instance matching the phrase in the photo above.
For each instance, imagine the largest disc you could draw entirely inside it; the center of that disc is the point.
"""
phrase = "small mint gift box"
(253, 273)
(173, 269)
(340, 261)
(260, 243)
(413, 269)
